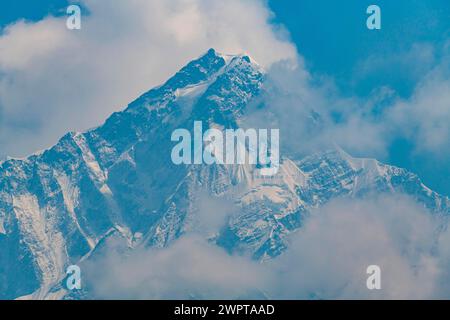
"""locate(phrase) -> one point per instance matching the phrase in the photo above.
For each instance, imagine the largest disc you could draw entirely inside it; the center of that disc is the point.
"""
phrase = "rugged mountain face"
(57, 206)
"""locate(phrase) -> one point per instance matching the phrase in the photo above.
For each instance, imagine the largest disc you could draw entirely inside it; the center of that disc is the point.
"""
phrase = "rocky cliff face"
(57, 206)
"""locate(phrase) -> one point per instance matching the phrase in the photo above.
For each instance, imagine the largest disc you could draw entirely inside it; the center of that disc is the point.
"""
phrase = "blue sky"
(29, 10)
(333, 39)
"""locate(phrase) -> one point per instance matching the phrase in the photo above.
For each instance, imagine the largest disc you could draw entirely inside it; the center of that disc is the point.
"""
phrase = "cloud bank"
(329, 257)
(326, 259)
(190, 268)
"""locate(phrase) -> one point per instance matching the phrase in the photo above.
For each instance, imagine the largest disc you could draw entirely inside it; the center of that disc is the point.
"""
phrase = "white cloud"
(21, 45)
(189, 268)
(412, 63)
(313, 115)
(329, 256)
(364, 126)
(211, 213)
(326, 258)
(425, 117)
(53, 79)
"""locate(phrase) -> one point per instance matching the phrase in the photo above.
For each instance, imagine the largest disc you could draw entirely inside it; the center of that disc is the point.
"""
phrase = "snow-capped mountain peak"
(58, 206)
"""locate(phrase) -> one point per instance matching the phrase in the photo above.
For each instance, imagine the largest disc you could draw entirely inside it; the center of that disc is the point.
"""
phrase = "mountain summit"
(57, 207)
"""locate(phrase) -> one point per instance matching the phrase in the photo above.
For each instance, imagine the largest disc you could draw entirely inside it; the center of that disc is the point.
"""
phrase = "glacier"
(59, 205)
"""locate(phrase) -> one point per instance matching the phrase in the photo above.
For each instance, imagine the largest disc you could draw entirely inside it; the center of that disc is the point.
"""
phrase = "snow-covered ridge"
(116, 180)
